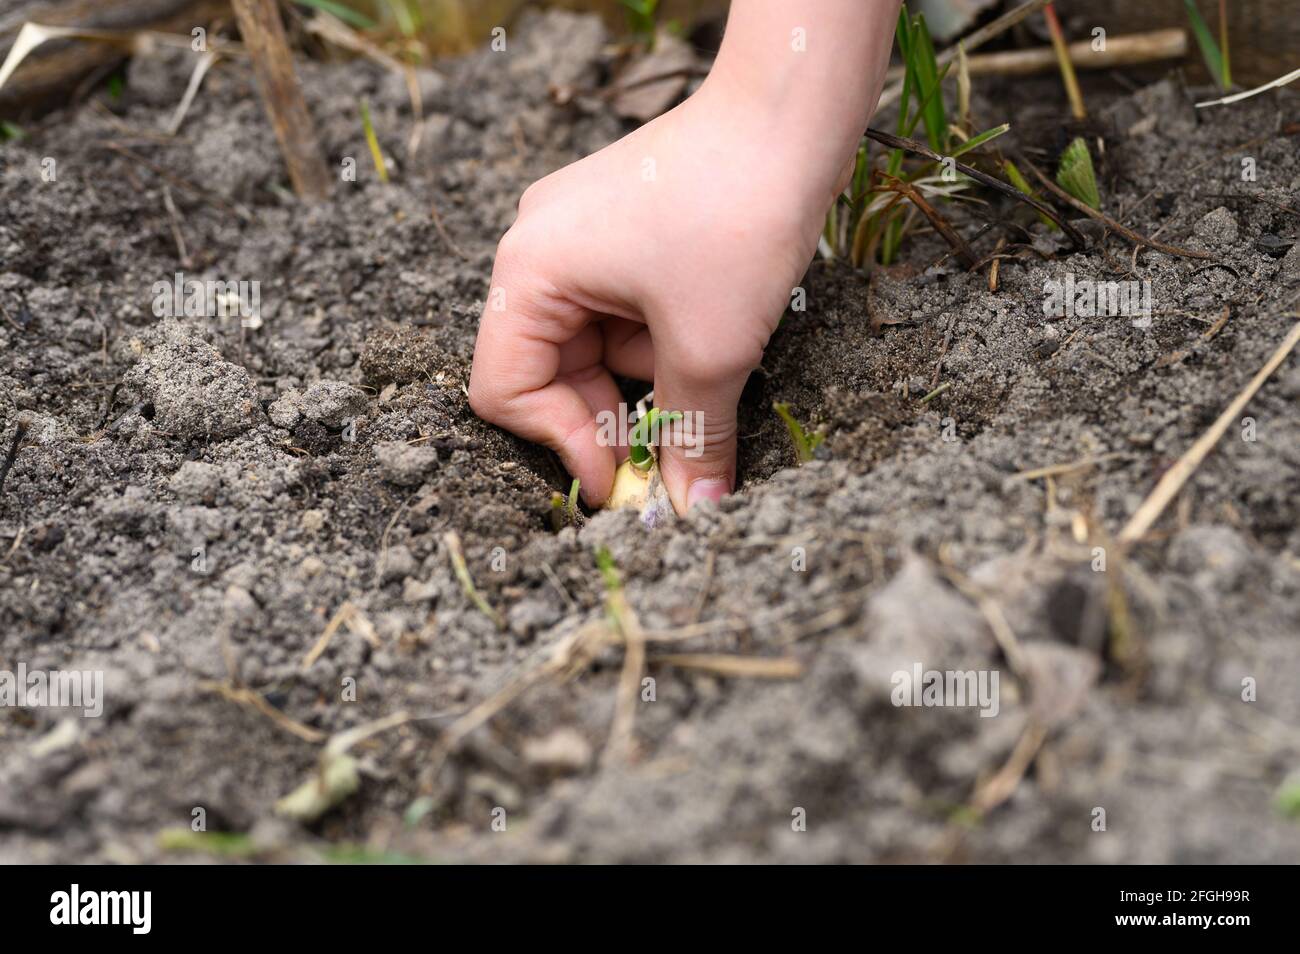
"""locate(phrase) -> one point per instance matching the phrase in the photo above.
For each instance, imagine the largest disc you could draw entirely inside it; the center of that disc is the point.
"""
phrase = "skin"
(671, 255)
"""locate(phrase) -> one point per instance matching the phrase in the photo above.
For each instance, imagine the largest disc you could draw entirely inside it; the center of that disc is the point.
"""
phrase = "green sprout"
(1017, 179)
(1076, 176)
(373, 142)
(573, 500)
(643, 434)
(641, 17)
(406, 21)
(456, 554)
(805, 444)
(1287, 800)
(1215, 54)
(608, 570)
(341, 10)
(10, 131)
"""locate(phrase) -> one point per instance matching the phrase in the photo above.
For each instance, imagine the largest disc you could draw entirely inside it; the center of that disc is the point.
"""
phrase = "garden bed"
(196, 501)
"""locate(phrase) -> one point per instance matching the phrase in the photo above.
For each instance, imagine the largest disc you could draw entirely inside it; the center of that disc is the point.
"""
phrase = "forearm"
(816, 66)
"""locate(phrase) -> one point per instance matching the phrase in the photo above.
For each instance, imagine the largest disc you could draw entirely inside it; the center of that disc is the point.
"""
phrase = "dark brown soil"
(321, 458)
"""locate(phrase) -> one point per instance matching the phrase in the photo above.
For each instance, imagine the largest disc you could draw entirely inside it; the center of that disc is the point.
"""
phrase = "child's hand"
(669, 256)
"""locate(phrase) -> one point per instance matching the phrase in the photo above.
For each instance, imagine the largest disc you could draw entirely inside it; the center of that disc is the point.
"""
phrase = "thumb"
(697, 453)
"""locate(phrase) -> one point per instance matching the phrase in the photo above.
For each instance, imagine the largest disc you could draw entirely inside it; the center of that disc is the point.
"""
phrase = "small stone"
(286, 412)
(239, 605)
(333, 403)
(530, 616)
(398, 564)
(196, 481)
(1291, 262)
(312, 520)
(419, 591)
(405, 464)
(1217, 228)
(563, 752)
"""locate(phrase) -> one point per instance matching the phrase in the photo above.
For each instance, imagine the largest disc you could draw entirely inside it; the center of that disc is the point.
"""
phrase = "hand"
(669, 257)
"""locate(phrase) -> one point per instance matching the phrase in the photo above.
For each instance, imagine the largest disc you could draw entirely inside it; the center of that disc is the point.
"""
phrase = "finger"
(629, 350)
(513, 383)
(697, 456)
(603, 397)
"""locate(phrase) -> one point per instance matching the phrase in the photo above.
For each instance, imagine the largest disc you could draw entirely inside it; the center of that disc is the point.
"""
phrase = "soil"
(196, 499)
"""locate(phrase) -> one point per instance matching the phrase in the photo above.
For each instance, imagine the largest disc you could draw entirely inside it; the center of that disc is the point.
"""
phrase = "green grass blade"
(1210, 51)
(1020, 182)
(372, 141)
(936, 113)
(1224, 46)
(345, 13)
(974, 142)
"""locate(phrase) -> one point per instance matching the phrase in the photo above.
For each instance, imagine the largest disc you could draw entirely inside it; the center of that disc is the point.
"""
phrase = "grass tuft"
(1076, 176)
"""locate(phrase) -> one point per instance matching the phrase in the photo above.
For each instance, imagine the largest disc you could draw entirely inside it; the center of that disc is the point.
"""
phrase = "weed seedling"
(805, 444)
(373, 142)
(457, 555)
(1214, 54)
(641, 18)
(876, 216)
(1075, 174)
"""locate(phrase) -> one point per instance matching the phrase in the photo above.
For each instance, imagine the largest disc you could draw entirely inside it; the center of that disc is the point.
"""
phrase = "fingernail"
(707, 488)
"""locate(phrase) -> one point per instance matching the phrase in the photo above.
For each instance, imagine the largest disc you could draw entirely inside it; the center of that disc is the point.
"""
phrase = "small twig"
(936, 392)
(452, 541)
(920, 149)
(941, 225)
(24, 421)
(263, 34)
(255, 701)
(175, 218)
(995, 266)
(13, 547)
(1114, 226)
(742, 667)
(356, 622)
(201, 68)
(1062, 51)
(1174, 479)
(1056, 470)
(1218, 325)
(1001, 786)
(443, 234)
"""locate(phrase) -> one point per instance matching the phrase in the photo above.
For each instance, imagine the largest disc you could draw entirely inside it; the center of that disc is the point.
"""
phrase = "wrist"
(809, 72)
